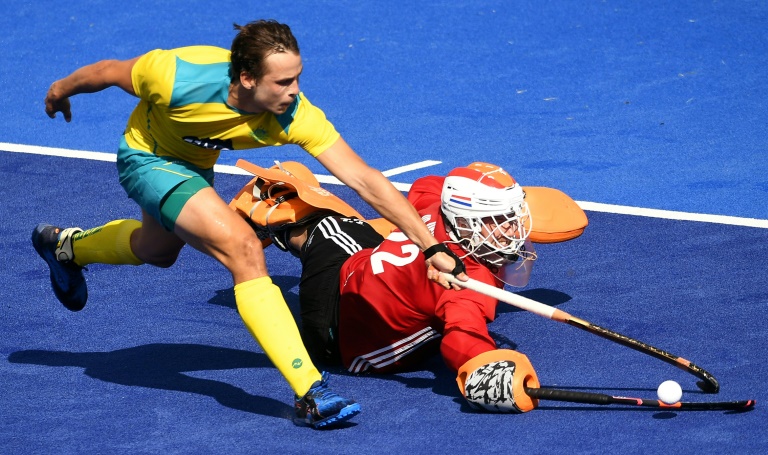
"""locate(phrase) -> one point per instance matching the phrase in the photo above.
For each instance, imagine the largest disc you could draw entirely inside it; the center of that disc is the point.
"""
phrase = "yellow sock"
(265, 313)
(108, 244)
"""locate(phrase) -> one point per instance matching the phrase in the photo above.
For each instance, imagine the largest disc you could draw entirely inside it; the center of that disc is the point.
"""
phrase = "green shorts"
(160, 185)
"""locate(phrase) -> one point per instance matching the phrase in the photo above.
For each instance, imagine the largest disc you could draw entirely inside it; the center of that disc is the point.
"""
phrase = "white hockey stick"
(708, 382)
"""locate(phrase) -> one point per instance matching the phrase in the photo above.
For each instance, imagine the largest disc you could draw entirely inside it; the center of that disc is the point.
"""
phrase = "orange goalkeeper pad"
(556, 217)
(259, 200)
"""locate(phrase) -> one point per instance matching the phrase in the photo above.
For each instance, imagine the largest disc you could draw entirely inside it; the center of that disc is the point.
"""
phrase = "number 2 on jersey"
(410, 252)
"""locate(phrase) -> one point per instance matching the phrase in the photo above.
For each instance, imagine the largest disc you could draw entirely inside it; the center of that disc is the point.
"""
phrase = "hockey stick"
(708, 382)
(603, 399)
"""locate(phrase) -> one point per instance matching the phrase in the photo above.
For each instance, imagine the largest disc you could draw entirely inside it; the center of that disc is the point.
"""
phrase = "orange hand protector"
(495, 381)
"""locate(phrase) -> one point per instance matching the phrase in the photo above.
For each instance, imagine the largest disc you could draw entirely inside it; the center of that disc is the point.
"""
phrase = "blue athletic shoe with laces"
(321, 408)
(54, 245)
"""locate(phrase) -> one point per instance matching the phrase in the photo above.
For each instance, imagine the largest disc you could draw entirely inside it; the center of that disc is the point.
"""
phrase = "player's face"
(277, 90)
(503, 232)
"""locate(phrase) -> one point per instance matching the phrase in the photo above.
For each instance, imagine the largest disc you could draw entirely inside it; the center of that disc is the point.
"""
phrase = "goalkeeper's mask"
(488, 216)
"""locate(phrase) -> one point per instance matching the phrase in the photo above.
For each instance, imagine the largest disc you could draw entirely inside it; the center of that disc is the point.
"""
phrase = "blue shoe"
(321, 408)
(54, 245)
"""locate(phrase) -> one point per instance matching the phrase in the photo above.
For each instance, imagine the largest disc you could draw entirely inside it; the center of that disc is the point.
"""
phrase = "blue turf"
(636, 103)
(159, 360)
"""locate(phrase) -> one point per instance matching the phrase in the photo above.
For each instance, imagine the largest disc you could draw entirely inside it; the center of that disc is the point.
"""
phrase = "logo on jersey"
(259, 134)
(210, 144)
(319, 190)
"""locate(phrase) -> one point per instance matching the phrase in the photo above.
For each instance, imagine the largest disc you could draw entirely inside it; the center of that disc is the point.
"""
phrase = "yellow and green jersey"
(184, 113)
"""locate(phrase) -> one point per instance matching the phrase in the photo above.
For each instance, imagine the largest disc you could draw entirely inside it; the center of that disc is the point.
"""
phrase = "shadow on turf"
(226, 297)
(162, 366)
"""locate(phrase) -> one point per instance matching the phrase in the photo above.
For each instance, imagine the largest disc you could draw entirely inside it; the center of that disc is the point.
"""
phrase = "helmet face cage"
(489, 217)
(495, 240)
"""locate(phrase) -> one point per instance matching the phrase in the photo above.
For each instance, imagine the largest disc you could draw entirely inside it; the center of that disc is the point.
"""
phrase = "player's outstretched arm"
(88, 79)
(375, 189)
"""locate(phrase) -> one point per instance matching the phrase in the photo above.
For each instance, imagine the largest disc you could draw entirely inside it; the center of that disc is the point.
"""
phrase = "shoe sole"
(343, 415)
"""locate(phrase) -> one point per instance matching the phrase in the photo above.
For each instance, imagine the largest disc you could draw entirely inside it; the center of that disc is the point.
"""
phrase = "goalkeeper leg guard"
(495, 381)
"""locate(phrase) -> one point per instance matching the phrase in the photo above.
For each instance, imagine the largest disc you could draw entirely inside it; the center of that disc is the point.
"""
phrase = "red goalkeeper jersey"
(392, 317)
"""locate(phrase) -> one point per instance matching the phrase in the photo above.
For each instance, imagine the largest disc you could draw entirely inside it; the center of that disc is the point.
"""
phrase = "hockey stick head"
(571, 396)
(710, 386)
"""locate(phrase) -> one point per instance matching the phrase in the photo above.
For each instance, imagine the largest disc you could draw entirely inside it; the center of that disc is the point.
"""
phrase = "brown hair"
(256, 41)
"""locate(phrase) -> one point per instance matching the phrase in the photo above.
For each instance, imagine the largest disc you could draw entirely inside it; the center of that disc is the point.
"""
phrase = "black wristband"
(434, 249)
(442, 248)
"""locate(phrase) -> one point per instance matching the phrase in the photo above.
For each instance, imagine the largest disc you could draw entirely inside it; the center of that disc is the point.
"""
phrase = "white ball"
(669, 392)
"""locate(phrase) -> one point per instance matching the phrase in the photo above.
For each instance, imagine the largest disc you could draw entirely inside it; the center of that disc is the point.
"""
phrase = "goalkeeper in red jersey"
(367, 305)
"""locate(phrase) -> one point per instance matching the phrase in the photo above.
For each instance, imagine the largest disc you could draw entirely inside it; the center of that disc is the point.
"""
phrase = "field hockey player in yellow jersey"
(196, 102)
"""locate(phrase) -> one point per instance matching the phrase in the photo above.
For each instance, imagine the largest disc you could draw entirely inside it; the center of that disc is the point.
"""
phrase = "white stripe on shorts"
(394, 352)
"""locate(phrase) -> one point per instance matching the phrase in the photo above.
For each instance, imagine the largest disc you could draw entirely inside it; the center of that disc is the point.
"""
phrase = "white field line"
(329, 179)
(410, 167)
(51, 151)
(672, 215)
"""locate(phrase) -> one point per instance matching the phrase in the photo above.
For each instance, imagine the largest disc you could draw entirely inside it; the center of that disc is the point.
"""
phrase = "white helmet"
(488, 216)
